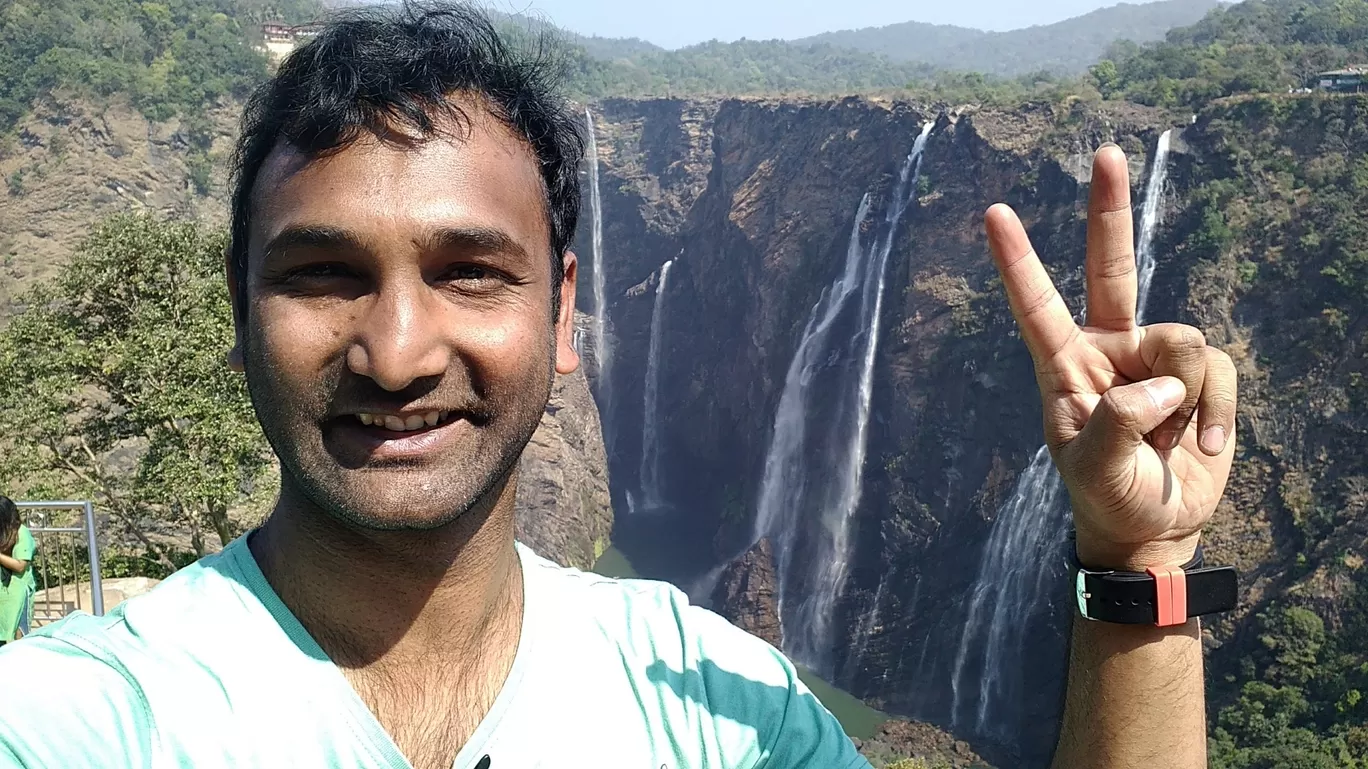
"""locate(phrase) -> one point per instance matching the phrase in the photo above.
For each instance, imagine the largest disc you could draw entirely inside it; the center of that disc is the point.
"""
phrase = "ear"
(567, 360)
(235, 291)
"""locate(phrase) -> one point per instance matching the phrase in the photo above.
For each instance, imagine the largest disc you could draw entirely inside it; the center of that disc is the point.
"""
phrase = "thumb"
(1119, 424)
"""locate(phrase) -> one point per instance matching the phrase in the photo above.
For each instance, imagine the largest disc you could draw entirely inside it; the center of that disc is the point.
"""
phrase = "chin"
(406, 504)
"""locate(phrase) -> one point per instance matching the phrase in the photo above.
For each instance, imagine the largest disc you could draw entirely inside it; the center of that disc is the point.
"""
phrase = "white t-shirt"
(211, 669)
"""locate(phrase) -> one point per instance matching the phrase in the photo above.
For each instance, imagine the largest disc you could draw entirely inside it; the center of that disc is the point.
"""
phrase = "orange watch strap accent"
(1170, 594)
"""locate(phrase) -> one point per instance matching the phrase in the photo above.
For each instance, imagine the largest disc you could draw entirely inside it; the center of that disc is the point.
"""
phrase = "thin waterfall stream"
(650, 412)
(599, 333)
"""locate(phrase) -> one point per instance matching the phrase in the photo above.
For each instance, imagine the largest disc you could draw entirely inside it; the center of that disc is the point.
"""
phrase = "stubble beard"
(291, 425)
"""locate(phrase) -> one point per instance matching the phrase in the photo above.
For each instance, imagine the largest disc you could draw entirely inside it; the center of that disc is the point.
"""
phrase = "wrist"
(1098, 554)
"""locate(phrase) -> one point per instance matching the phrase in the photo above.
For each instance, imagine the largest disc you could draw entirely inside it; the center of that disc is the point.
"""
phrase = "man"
(403, 288)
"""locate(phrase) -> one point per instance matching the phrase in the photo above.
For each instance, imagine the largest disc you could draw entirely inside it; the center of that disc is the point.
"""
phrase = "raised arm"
(13, 564)
(1141, 423)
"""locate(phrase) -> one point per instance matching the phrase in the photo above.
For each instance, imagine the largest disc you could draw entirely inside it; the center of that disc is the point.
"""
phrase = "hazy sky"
(682, 22)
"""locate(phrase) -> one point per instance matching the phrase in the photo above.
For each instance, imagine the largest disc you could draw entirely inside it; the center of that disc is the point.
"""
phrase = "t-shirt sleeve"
(73, 709)
(749, 682)
(24, 546)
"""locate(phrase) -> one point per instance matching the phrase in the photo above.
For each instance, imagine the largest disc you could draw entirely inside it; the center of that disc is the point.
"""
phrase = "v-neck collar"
(363, 722)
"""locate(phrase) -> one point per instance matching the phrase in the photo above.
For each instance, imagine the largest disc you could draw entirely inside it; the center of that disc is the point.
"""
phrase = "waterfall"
(601, 352)
(650, 414)
(804, 504)
(864, 628)
(1023, 562)
(1013, 587)
(1151, 216)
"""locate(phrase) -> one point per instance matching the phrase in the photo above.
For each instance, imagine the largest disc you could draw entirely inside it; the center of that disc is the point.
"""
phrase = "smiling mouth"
(410, 424)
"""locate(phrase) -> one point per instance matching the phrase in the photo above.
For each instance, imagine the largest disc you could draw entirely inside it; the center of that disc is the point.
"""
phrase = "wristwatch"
(1162, 595)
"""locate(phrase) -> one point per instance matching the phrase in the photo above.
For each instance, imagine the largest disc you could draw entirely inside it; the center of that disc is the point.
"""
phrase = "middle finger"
(1112, 280)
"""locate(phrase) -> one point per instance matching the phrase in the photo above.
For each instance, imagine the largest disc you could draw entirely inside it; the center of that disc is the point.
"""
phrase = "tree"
(114, 385)
(1106, 77)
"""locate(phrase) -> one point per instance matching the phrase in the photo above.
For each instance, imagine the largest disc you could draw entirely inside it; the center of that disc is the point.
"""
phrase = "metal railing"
(57, 564)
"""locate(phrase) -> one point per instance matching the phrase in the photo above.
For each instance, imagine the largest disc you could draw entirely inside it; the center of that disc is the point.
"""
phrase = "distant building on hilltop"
(1347, 80)
(281, 39)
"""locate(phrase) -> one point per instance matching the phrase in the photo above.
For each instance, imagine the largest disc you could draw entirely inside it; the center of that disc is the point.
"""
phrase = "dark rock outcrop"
(897, 740)
(564, 512)
(747, 593)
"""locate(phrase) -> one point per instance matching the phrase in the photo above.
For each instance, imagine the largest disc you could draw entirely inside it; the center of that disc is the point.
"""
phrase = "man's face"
(400, 336)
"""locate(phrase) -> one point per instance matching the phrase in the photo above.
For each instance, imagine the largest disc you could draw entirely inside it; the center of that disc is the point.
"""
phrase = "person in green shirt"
(16, 578)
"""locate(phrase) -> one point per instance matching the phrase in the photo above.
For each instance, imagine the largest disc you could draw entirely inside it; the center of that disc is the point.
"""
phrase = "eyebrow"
(487, 240)
(313, 236)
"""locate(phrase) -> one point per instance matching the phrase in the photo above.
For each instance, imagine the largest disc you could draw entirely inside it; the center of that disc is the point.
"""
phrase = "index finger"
(1045, 321)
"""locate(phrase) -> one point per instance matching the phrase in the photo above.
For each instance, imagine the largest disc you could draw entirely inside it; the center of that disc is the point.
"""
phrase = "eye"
(322, 271)
(473, 276)
(469, 272)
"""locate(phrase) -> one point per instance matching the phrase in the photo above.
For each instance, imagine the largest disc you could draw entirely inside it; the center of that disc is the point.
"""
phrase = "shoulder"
(685, 653)
(79, 706)
(25, 542)
(88, 681)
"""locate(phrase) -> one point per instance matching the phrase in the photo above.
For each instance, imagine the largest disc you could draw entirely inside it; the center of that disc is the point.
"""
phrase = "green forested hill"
(743, 67)
(1068, 47)
(167, 55)
(1256, 46)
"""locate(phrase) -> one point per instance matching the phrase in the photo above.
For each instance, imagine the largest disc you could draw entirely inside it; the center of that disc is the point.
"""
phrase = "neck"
(395, 598)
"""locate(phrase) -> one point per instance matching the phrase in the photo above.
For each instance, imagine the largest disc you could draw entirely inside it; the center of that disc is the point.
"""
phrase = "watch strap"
(1164, 596)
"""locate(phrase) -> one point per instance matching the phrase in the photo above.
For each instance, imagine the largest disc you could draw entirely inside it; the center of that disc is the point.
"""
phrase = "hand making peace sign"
(1143, 475)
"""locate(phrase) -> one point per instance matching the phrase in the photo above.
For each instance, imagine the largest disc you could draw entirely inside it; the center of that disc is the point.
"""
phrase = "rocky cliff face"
(755, 200)
(747, 593)
(564, 510)
(73, 164)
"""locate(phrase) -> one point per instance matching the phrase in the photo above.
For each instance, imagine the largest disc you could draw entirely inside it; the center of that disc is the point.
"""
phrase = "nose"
(400, 339)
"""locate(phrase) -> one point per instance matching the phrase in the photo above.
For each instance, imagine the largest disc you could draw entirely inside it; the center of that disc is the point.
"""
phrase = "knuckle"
(1186, 339)
(1125, 407)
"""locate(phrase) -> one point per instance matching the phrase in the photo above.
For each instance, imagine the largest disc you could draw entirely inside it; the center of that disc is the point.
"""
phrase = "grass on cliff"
(1275, 225)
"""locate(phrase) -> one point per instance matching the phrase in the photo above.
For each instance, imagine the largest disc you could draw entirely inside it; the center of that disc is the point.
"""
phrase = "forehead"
(476, 174)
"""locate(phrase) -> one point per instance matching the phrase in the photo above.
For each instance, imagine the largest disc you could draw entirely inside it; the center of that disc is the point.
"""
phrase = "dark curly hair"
(372, 70)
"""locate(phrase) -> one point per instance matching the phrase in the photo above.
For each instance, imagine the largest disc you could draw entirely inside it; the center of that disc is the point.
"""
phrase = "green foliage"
(743, 67)
(1106, 77)
(170, 57)
(1303, 708)
(201, 168)
(1258, 46)
(1278, 222)
(115, 386)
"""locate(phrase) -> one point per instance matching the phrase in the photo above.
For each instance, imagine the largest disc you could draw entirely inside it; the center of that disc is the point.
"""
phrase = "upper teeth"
(403, 424)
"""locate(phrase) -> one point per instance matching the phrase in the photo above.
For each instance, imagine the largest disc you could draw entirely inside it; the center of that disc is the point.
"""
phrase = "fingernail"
(1166, 393)
(1214, 439)
(1106, 145)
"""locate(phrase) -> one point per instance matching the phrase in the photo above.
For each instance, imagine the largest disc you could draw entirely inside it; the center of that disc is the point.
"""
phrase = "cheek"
(295, 342)
(513, 346)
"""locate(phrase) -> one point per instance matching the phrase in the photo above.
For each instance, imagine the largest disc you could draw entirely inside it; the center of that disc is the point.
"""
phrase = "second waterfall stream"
(814, 467)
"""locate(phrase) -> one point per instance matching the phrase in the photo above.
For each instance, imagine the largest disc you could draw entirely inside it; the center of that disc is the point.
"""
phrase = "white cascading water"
(600, 333)
(650, 414)
(1020, 568)
(793, 492)
(1150, 219)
